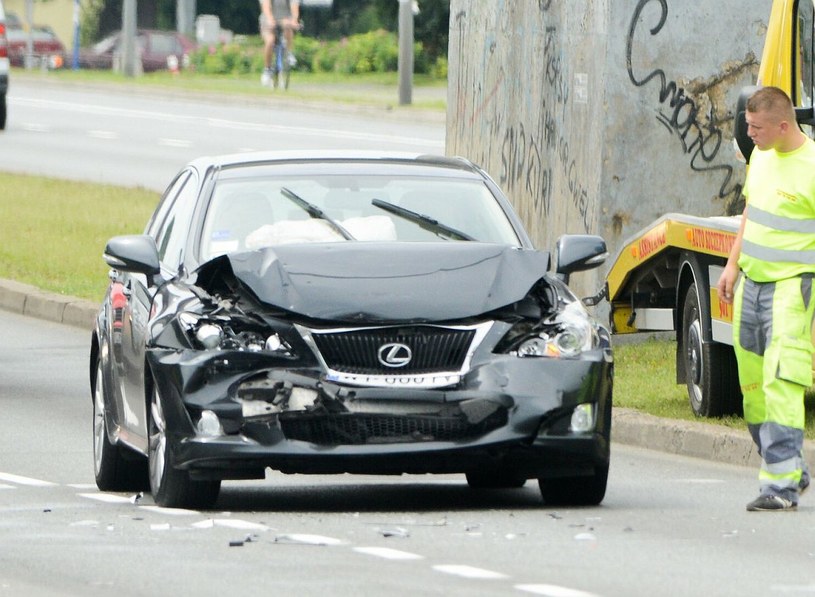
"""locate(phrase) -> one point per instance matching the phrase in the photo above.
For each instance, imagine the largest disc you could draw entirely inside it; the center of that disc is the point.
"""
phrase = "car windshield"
(252, 213)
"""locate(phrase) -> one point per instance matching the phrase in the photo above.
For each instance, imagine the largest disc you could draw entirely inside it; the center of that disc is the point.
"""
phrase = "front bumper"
(512, 413)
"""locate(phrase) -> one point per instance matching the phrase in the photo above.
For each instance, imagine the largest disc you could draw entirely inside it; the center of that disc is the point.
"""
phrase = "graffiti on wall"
(535, 157)
(700, 138)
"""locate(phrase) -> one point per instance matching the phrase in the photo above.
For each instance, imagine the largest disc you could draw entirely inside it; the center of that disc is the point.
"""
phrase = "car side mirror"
(578, 252)
(135, 253)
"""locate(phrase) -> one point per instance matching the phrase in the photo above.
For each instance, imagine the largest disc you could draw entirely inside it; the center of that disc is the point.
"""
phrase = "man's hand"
(727, 282)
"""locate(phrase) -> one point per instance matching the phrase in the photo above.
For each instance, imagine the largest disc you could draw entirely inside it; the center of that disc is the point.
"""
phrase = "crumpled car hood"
(378, 282)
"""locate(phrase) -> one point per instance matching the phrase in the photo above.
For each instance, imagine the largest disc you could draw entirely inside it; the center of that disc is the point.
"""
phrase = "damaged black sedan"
(346, 313)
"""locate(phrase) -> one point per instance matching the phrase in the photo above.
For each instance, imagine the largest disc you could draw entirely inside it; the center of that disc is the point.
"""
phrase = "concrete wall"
(599, 116)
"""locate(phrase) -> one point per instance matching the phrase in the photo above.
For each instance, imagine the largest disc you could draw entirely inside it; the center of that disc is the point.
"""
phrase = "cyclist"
(274, 13)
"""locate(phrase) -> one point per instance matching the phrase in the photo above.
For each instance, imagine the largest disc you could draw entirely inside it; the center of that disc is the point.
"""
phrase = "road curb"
(704, 440)
(33, 302)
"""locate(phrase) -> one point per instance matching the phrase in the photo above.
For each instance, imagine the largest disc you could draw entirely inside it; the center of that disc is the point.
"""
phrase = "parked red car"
(159, 50)
(45, 45)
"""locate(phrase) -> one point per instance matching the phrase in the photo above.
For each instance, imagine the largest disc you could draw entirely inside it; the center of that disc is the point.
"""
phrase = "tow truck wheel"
(710, 367)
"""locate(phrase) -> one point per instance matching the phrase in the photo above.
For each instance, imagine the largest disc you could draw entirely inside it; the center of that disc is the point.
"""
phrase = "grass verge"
(377, 89)
(54, 231)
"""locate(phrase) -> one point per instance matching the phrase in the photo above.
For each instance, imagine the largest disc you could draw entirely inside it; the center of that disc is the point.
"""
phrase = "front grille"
(433, 349)
(353, 429)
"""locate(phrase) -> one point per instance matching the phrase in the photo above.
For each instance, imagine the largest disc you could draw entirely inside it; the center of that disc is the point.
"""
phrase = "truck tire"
(2, 111)
(711, 370)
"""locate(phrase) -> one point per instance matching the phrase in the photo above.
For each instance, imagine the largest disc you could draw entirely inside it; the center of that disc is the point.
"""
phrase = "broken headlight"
(566, 334)
(232, 333)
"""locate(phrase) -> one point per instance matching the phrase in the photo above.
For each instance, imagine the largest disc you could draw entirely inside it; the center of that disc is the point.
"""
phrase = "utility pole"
(185, 11)
(129, 16)
(75, 56)
(29, 40)
(405, 52)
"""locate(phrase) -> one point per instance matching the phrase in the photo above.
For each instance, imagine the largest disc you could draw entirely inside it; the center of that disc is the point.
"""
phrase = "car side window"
(175, 230)
(156, 222)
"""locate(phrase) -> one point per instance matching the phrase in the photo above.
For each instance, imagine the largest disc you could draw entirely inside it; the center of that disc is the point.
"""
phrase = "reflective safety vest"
(779, 235)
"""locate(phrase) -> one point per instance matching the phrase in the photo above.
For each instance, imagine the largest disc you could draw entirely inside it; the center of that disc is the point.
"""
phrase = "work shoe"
(770, 503)
(291, 59)
(266, 77)
(803, 485)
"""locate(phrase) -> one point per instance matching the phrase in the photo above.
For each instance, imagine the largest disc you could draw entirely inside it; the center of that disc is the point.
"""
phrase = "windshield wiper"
(424, 222)
(315, 212)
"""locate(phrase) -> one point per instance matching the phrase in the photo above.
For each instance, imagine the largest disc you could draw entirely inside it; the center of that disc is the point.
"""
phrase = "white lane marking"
(82, 485)
(231, 523)
(554, 591)
(4, 486)
(99, 110)
(388, 553)
(103, 134)
(162, 526)
(106, 497)
(308, 539)
(183, 143)
(171, 511)
(469, 571)
(85, 523)
(17, 479)
(36, 127)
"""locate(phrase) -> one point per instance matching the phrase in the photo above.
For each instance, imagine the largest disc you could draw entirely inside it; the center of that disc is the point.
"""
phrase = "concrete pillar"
(598, 116)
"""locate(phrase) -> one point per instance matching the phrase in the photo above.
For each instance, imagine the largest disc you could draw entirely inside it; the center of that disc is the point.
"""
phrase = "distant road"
(141, 139)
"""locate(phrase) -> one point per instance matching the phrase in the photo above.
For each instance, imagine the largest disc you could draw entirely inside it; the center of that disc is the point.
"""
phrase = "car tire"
(493, 479)
(711, 371)
(172, 487)
(3, 111)
(575, 491)
(115, 468)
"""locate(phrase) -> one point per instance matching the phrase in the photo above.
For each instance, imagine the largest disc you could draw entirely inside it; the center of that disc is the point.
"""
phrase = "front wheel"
(172, 487)
(3, 111)
(575, 491)
(711, 372)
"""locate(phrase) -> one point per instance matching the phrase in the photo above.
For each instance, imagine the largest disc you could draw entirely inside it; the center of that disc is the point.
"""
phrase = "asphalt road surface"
(135, 138)
(669, 525)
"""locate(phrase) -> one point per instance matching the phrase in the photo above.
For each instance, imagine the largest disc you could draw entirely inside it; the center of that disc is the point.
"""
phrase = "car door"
(169, 228)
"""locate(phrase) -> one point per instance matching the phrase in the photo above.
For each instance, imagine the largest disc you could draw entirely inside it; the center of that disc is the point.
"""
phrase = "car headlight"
(226, 333)
(567, 334)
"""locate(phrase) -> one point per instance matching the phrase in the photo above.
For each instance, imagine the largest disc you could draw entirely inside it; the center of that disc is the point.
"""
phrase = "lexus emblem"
(394, 354)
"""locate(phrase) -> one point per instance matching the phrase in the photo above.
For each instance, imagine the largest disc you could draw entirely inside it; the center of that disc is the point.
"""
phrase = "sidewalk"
(686, 438)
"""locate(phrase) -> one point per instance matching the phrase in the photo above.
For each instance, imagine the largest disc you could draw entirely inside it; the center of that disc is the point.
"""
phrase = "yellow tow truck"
(664, 277)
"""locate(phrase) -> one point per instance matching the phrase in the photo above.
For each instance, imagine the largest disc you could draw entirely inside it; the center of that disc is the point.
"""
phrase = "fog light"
(209, 335)
(582, 418)
(209, 425)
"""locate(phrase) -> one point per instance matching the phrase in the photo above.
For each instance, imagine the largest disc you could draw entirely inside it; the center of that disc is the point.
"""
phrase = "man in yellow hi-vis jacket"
(774, 303)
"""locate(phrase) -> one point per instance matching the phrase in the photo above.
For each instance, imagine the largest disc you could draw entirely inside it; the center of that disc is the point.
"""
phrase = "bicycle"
(282, 61)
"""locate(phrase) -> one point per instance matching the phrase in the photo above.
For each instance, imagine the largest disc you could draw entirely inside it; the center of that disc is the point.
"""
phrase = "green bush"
(372, 52)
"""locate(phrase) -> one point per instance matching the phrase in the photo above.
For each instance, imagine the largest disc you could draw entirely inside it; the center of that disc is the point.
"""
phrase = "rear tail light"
(3, 41)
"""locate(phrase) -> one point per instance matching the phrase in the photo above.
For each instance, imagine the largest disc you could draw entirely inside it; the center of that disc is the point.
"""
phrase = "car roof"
(336, 156)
